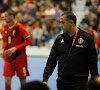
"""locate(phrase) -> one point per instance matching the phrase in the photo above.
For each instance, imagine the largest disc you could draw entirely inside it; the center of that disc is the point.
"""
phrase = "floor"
(36, 67)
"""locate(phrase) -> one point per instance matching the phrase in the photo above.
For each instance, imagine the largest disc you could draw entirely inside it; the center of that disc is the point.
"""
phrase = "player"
(15, 40)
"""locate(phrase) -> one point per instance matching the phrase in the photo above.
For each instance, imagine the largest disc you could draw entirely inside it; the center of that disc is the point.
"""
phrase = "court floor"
(36, 67)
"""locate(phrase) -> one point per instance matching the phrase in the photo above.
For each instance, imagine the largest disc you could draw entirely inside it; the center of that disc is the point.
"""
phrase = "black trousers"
(79, 83)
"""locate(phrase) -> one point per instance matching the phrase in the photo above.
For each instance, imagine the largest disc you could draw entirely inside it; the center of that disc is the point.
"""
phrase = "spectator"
(50, 12)
(88, 3)
(98, 29)
(37, 33)
(34, 85)
(90, 15)
(98, 12)
(83, 25)
(92, 23)
(58, 12)
(57, 2)
(3, 5)
(21, 9)
(96, 21)
(92, 32)
(97, 2)
(33, 10)
(55, 28)
(85, 19)
(64, 6)
(41, 13)
(93, 7)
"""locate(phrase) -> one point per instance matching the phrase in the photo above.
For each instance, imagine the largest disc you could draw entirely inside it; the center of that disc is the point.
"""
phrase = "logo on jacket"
(62, 40)
(79, 46)
(80, 40)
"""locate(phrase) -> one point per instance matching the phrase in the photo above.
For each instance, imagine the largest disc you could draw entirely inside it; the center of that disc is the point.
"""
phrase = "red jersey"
(16, 36)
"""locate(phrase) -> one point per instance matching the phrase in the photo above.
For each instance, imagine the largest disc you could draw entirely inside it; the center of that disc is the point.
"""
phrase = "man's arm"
(92, 57)
(51, 63)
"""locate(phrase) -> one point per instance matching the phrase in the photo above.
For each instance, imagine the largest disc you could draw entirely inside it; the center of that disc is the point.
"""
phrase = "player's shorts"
(17, 66)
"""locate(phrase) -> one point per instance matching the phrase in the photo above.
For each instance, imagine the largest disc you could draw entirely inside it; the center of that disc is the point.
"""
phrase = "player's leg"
(8, 73)
(8, 83)
(22, 81)
(22, 72)
(22, 75)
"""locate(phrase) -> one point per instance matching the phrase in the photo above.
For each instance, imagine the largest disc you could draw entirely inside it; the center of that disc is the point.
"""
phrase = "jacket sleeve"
(92, 57)
(51, 62)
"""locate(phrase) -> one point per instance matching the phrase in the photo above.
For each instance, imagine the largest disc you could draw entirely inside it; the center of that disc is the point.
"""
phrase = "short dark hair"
(11, 12)
(70, 16)
(93, 83)
(34, 85)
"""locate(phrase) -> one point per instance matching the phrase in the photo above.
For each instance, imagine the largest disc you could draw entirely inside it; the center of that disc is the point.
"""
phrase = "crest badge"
(80, 40)
(5, 32)
(13, 33)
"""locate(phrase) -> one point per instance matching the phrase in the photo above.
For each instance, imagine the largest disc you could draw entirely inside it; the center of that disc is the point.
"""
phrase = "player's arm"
(11, 51)
(27, 40)
(19, 47)
(1, 46)
(1, 41)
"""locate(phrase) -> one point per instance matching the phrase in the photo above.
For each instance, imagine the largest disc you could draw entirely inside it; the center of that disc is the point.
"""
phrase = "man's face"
(7, 17)
(65, 24)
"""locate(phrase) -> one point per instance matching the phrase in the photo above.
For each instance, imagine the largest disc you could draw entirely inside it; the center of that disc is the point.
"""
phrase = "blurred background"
(41, 19)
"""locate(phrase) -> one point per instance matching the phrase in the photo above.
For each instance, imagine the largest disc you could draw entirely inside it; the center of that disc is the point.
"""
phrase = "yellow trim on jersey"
(24, 71)
(12, 26)
(27, 37)
(9, 39)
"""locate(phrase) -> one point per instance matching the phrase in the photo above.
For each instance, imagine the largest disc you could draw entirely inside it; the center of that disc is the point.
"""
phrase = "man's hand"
(45, 82)
(11, 51)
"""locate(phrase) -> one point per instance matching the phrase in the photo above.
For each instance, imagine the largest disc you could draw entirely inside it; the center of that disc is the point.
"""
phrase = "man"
(94, 83)
(15, 39)
(34, 85)
(75, 53)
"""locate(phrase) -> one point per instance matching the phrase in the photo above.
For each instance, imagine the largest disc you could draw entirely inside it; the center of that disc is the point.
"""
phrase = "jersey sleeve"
(25, 35)
(23, 32)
